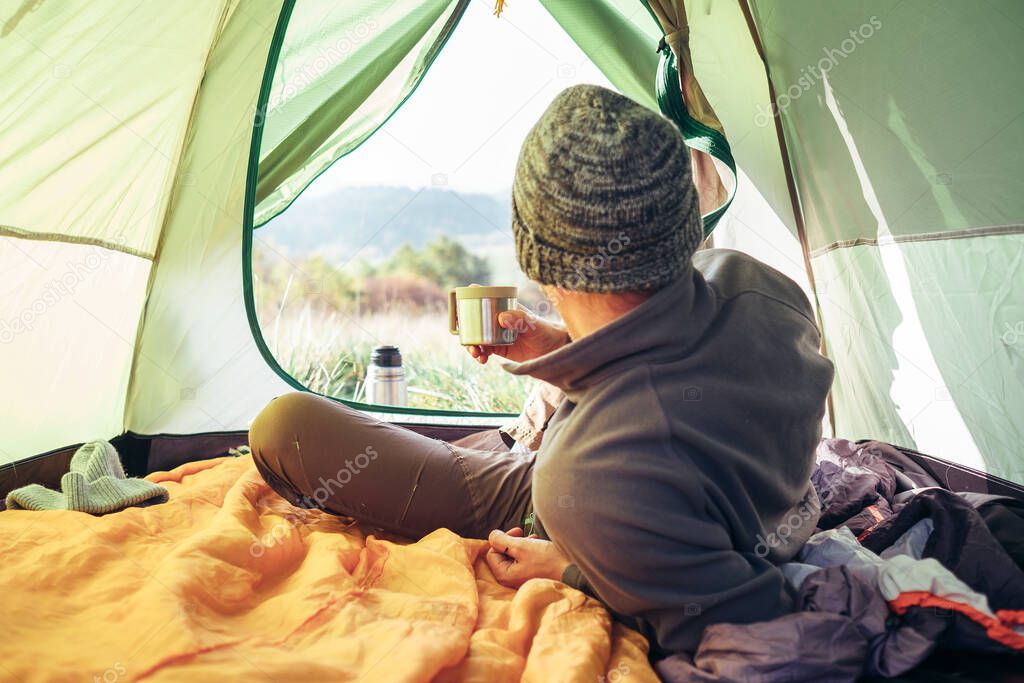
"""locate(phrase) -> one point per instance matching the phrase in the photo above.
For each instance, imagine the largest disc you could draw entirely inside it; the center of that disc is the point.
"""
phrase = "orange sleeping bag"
(227, 581)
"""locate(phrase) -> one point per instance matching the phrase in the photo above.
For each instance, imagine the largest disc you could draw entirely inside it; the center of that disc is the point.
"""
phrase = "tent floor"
(144, 454)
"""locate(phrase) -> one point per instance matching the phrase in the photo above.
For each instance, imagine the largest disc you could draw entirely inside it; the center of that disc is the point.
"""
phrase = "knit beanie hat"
(602, 199)
(95, 483)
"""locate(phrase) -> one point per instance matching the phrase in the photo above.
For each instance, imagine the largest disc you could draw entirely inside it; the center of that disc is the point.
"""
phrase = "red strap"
(998, 628)
(879, 518)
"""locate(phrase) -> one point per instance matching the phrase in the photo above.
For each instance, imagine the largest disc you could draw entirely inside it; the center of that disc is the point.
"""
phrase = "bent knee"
(273, 433)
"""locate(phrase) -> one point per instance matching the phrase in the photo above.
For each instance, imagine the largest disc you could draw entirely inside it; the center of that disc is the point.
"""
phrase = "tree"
(323, 285)
(405, 260)
(443, 261)
(454, 264)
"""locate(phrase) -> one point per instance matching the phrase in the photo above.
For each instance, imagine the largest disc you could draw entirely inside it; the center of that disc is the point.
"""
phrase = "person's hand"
(535, 337)
(514, 560)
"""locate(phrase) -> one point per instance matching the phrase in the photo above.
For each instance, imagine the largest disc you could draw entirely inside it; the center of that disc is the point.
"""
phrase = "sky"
(463, 126)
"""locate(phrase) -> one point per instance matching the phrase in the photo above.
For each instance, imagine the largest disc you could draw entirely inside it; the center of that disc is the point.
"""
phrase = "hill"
(374, 221)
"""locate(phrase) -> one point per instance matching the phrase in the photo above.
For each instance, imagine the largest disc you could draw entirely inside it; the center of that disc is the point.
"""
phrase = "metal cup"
(473, 314)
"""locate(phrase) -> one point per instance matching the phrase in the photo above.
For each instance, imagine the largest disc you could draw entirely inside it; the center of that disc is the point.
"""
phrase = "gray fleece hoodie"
(686, 437)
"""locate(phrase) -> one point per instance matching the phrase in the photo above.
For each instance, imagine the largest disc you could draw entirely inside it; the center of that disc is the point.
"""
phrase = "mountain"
(374, 221)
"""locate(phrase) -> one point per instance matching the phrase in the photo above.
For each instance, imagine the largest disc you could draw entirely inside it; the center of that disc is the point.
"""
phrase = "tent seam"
(794, 194)
(966, 233)
(18, 233)
(172, 195)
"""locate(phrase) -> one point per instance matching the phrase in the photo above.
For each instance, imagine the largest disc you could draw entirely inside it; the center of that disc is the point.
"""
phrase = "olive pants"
(317, 453)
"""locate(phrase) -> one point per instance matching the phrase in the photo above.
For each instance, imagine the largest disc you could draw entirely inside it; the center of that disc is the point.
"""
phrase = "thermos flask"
(385, 377)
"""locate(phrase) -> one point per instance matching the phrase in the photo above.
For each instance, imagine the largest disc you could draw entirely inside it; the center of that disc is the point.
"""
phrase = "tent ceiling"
(94, 117)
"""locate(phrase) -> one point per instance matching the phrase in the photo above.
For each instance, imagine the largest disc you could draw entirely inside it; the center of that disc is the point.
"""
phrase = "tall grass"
(329, 352)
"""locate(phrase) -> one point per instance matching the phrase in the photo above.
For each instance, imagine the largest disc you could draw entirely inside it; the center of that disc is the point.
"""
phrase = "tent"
(139, 146)
(876, 143)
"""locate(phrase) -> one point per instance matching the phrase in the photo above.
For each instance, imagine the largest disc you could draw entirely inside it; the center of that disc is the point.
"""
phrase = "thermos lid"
(386, 357)
(486, 292)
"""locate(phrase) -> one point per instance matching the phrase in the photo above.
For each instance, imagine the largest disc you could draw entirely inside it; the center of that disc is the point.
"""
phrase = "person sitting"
(694, 392)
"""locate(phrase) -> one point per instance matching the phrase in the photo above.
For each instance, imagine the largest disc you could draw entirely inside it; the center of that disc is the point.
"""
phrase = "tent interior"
(869, 150)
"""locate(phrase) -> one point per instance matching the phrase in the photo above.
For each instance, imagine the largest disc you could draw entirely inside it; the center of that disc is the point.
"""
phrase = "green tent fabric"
(887, 176)
(624, 23)
(904, 158)
(344, 68)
